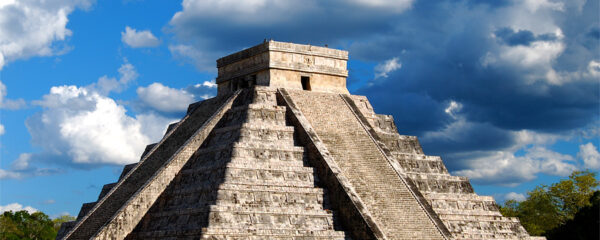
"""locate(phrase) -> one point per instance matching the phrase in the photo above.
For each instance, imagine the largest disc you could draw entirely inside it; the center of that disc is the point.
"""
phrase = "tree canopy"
(22, 225)
(548, 208)
(25, 225)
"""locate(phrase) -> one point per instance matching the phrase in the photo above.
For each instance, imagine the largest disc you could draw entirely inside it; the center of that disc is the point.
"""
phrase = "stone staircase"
(465, 214)
(389, 199)
(250, 179)
(247, 181)
(259, 162)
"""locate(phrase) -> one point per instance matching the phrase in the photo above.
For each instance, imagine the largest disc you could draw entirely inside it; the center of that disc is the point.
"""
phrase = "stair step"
(259, 188)
(419, 163)
(214, 181)
(458, 197)
(258, 166)
(311, 198)
(259, 133)
(254, 127)
(105, 189)
(282, 207)
(443, 206)
(491, 230)
(468, 212)
(194, 218)
(252, 151)
(439, 183)
(249, 233)
(85, 208)
(261, 114)
(246, 211)
(478, 218)
(437, 176)
(126, 170)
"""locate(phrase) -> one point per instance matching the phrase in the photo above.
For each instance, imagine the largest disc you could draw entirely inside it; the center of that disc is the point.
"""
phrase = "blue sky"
(507, 92)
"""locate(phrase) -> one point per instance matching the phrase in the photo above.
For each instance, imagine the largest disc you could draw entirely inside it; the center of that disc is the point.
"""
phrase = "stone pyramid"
(285, 152)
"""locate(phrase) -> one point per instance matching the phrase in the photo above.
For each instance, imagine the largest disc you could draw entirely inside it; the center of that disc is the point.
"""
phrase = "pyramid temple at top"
(285, 152)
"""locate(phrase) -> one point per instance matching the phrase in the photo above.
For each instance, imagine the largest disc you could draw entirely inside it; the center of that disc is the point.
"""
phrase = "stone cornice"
(283, 47)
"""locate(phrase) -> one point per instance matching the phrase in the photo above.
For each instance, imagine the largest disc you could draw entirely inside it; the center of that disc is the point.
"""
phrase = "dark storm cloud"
(308, 22)
(442, 61)
(446, 64)
(422, 111)
(472, 52)
(594, 33)
(521, 37)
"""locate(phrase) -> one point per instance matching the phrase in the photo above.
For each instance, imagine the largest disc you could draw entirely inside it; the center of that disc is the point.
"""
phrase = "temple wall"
(280, 64)
(318, 82)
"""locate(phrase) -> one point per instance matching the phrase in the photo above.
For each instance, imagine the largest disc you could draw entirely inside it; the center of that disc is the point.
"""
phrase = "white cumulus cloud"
(82, 126)
(534, 5)
(105, 84)
(383, 69)
(590, 156)
(165, 99)
(21, 168)
(453, 108)
(397, 6)
(507, 168)
(9, 103)
(519, 197)
(139, 39)
(31, 28)
(521, 161)
(209, 84)
(192, 55)
(87, 127)
(241, 11)
(15, 207)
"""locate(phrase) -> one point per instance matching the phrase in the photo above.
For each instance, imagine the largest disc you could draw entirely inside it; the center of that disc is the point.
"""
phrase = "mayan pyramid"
(285, 152)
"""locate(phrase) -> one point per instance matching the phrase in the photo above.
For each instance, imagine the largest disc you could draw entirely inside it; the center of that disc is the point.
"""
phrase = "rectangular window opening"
(305, 83)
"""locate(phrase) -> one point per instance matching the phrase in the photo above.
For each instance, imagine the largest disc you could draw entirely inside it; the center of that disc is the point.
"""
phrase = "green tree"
(538, 213)
(572, 194)
(549, 207)
(59, 220)
(510, 208)
(22, 225)
(583, 226)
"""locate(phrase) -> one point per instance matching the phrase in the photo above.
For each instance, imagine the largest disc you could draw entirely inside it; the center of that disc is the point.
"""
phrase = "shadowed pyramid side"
(139, 187)
(465, 214)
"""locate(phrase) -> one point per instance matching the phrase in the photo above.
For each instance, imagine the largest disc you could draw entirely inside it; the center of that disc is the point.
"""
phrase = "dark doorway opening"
(243, 83)
(305, 83)
(253, 80)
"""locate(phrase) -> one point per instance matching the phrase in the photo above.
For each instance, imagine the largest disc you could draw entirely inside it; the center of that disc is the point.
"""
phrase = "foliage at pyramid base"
(275, 163)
